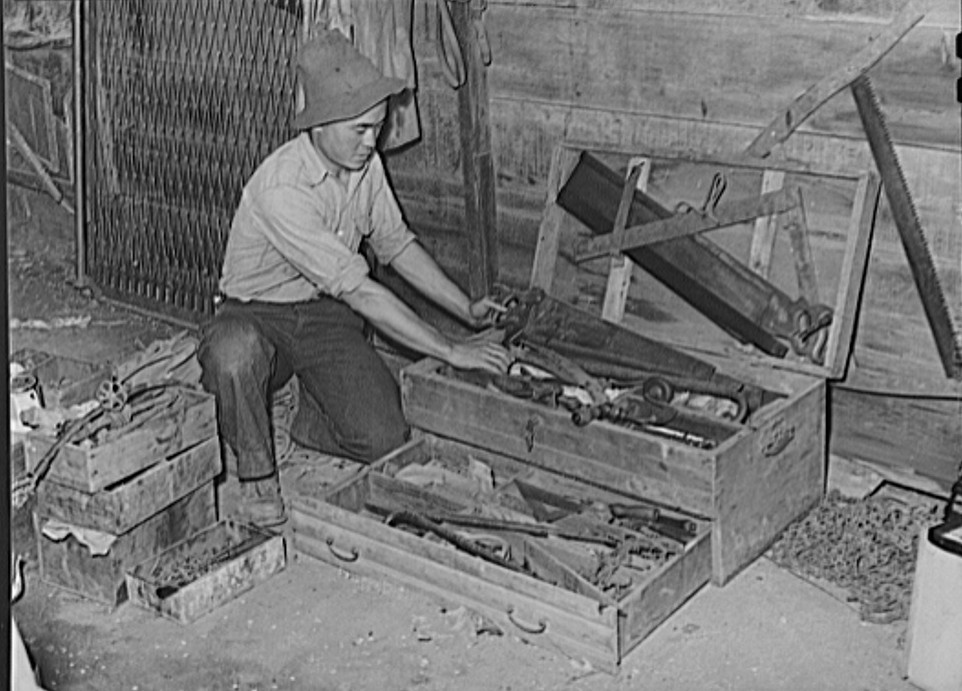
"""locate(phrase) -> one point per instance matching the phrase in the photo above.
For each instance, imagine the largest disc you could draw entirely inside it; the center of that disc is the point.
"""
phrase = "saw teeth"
(948, 341)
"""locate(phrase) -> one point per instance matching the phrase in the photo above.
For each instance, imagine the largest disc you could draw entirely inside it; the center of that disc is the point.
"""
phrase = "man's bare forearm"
(418, 268)
(392, 317)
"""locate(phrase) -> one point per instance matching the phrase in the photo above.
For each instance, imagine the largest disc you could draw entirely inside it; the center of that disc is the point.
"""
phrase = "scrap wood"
(802, 107)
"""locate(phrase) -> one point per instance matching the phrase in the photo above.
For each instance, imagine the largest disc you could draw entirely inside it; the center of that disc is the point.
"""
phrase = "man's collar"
(317, 170)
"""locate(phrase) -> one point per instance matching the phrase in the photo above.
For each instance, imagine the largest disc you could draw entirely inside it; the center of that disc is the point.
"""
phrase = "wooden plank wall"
(704, 76)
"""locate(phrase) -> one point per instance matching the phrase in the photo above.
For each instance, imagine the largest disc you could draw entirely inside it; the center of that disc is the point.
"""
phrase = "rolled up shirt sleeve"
(389, 232)
(299, 229)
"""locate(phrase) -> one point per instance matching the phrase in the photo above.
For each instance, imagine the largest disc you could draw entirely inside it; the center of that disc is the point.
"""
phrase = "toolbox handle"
(778, 439)
(343, 556)
(533, 629)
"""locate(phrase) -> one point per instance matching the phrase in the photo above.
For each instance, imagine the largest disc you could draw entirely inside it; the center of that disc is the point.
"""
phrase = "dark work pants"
(349, 402)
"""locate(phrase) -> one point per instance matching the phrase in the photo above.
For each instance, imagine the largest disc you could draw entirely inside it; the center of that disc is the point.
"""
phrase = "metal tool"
(677, 528)
(726, 291)
(682, 224)
(542, 320)
(947, 338)
(428, 524)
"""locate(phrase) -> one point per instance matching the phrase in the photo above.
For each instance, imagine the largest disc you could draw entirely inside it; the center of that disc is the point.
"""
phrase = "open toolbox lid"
(814, 253)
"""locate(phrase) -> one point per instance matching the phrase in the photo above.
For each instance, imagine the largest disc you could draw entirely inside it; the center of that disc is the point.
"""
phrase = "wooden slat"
(92, 469)
(571, 635)
(549, 234)
(120, 508)
(760, 490)
(911, 436)
(854, 265)
(476, 160)
(763, 239)
(621, 267)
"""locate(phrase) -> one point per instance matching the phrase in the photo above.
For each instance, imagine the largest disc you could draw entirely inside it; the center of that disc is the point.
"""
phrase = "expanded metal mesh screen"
(184, 99)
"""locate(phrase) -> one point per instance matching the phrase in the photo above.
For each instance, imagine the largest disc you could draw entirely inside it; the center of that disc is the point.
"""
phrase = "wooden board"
(69, 564)
(227, 559)
(334, 529)
(121, 507)
(94, 468)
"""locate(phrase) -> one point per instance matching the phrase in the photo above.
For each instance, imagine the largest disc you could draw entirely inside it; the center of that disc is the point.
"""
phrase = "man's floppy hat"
(337, 81)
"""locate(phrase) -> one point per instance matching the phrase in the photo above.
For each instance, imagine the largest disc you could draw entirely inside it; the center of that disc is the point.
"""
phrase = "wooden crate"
(63, 381)
(69, 564)
(120, 507)
(752, 485)
(205, 571)
(771, 469)
(92, 468)
(567, 614)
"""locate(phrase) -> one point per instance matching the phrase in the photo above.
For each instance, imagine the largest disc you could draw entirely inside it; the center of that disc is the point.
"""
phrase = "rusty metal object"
(866, 546)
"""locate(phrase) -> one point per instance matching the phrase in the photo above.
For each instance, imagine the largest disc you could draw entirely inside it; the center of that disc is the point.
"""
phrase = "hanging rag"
(97, 541)
(381, 31)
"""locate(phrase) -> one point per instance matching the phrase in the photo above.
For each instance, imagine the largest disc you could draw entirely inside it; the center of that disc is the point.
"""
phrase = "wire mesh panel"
(184, 99)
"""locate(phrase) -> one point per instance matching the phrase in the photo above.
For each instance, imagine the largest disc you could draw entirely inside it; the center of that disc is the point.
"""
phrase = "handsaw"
(909, 227)
(689, 223)
(787, 121)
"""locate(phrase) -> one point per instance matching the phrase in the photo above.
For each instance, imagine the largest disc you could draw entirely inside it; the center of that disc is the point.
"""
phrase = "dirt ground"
(314, 627)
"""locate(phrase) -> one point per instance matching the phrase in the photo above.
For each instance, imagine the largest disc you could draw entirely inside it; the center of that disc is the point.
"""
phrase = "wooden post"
(480, 210)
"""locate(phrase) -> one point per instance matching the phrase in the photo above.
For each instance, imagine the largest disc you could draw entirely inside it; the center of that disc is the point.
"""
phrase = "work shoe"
(261, 502)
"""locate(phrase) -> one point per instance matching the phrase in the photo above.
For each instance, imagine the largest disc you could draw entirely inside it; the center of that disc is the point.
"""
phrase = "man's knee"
(230, 347)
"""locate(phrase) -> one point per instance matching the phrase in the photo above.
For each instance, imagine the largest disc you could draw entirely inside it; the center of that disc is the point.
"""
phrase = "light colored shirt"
(297, 229)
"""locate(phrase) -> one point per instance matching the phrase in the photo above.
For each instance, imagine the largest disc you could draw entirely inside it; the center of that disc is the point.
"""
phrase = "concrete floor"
(316, 627)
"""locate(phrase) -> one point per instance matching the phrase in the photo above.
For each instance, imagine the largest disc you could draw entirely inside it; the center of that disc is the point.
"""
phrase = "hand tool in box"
(542, 320)
(676, 528)
(649, 412)
(427, 524)
(726, 291)
(947, 339)
(487, 523)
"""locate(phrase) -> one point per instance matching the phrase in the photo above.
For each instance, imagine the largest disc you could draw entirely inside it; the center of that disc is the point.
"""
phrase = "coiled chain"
(866, 546)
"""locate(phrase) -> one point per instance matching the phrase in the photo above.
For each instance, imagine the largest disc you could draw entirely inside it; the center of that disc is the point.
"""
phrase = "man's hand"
(484, 312)
(479, 354)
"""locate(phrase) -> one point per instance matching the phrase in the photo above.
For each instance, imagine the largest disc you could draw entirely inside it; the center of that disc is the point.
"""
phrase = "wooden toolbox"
(770, 469)
(70, 564)
(88, 467)
(120, 507)
(554, 601)
(205, 571)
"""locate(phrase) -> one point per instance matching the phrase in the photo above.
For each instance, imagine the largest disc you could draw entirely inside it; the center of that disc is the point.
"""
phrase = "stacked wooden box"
(138, 493)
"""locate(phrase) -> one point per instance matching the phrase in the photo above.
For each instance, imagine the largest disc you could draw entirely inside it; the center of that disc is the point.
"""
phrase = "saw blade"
(909, 228)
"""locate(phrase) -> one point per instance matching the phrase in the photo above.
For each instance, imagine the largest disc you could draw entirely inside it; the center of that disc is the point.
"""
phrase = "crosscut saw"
(715, 283)
(947, 339)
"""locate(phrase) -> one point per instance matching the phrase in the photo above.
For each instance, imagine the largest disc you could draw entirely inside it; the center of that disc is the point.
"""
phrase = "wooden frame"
(853, 257)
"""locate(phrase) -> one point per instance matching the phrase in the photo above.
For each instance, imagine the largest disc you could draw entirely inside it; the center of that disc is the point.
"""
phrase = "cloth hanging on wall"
(381, 31)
